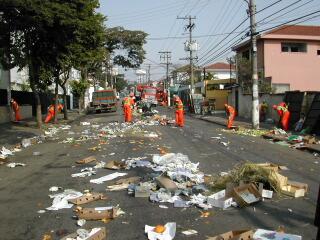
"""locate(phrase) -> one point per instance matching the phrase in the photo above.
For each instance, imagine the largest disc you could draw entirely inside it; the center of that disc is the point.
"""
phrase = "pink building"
(289, 56)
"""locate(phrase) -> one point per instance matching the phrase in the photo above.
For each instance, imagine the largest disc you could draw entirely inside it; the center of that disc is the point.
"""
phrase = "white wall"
(25, 111)
(245, 104)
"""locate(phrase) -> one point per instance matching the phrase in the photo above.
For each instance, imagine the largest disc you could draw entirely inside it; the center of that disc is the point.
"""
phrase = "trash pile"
(246, 131)
(301, 142)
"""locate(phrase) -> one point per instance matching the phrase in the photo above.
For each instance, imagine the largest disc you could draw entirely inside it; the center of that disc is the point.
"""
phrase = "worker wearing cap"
(128, 102)
(51, 112)
(231, 113)
(284, 114)
(16, 109)
(179, 111)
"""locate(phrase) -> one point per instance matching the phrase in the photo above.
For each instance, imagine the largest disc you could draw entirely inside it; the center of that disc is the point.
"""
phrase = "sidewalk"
(12, 133)
(221, 119)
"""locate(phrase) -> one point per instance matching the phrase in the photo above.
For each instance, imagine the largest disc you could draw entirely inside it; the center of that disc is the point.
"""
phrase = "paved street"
(24, 190)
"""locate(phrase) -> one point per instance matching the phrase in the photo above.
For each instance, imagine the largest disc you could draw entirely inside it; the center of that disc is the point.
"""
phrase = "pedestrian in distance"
(16, 109)
(263, 111)
(179, 111)
(284, 115)
(231, 113)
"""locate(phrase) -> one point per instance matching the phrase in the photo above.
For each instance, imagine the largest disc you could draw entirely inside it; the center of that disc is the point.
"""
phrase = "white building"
(221, 70)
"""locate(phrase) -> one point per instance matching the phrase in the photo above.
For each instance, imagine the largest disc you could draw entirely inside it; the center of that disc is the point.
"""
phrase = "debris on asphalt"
(115, 165)
(83, 234)
(84, 123)
(54, 189)
(86, 198)
(60, 200)
(262, 234)
(246, 131)
(98, 213)
(86, 160)
(239, 234)
(168, 233)
(189, 232)
(107, 177)
(81, 222)
(220, 200)
(13, 165)
(86, 172)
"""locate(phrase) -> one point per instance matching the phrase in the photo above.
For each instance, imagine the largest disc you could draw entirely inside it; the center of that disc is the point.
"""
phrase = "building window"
(293, 47)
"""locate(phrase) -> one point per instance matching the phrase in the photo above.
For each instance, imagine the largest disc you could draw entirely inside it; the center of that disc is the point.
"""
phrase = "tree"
(121, 83)
(78, 89)
(126, 45)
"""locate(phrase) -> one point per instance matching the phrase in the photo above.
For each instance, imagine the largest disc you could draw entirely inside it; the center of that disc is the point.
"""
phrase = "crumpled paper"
(60, 200)
(107, 177)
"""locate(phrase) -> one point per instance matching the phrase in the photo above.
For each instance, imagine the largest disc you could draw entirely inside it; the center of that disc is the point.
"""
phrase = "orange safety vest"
(15, 106)
(179, 105)
(126, 102)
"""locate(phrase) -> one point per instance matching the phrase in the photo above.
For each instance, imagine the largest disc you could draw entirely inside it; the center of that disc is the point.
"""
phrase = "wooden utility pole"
(165, 58)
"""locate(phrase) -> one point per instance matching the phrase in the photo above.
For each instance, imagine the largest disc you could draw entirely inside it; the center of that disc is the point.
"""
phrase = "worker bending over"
(231, 113)
(284, 114)
(51, 112)
(179, 111)
(16, 109)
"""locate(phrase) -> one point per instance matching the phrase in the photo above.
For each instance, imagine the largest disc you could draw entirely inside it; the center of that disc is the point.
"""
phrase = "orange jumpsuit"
(51, 112)
(127, 103)
(179, 112)
(284, 114)
(15, 107)
(231, 115)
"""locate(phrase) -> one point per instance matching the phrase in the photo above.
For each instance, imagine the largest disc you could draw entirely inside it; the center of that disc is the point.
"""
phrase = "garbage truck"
(104, 100)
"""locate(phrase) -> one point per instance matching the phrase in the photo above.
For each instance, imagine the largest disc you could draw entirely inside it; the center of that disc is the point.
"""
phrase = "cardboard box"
(281, 180)
(246, 194)
(86, 198)
(262, 234)
(166, 183)
(234, 235)
(96, 213)
(293, 191)
(100, 235)
(219, 200)
(298, 185)
(141, 192)
(267, 193)
(86, 160)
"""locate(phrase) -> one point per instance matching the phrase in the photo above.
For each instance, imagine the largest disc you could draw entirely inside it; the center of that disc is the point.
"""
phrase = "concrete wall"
(25, 111)
(245, 104)
(300, 69)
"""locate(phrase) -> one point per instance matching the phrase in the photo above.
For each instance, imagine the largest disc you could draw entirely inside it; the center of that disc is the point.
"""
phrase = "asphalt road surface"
(24, 190)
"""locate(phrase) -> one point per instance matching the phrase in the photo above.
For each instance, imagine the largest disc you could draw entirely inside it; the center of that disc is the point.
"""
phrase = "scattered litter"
(41, 211)
(115, 165)
(217, 138)
(6, 152)
(111, 154)
(36, 153)
(290, 210)
(98, 213)
(226, 144)
(86, 198)
(262, 234)
(81, 222)
(240, 234)
(152, 135)
(107, 177)
(54, 189)
(220, 200)
(26, 142)
(163, 206)
(189, 232)
(86, 160)
(86, 172)
(83, 234)
(267, 194)
(60, 200)
(13, 165)
(84, 123)
(168, 233)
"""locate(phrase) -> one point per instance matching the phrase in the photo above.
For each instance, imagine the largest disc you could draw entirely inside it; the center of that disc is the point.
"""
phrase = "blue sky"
(216, 18)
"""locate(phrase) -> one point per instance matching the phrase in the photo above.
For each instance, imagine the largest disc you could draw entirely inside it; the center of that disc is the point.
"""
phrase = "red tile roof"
(220, 66)
(296, 30)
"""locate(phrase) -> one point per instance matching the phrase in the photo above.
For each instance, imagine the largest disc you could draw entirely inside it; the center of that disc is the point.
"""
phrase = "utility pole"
(255, 90)
(230, 61)
(165, 58)
(190, 27)
(149, 73)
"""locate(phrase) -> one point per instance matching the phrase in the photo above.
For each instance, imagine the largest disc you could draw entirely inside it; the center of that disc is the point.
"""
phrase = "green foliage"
(78, 88)
(121, 83)
(130, 42)
(210, 76)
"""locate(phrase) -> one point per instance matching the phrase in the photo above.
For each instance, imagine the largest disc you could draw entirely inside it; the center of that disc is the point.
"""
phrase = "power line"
(200, 36)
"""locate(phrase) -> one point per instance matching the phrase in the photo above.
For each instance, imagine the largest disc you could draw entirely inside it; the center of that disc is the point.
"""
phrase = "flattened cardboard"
(86, 160)
(100, 235)
(263, 235)
(167, 183)
(246, 194)
(115, 165)
(298, 185)
(234, 235)
(86, 198)
(128, 180)
(281, 180)
(93, 214)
